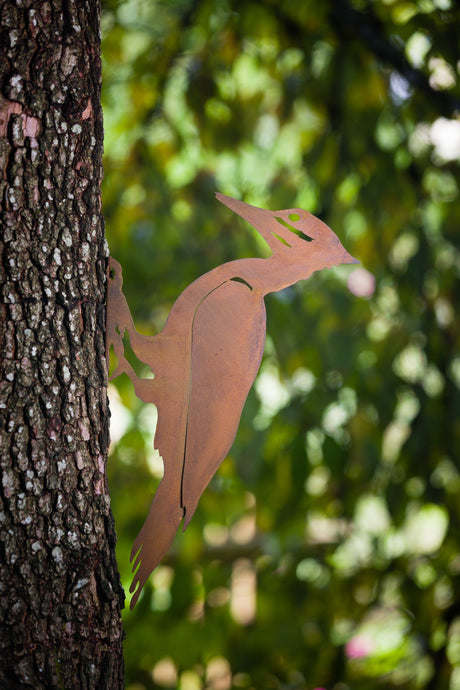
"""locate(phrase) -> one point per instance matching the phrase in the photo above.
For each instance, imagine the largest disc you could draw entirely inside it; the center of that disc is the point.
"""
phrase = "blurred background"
(325, 552)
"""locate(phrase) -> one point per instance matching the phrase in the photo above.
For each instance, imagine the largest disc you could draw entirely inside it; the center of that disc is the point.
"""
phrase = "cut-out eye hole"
(301, 235)
(281, 239)
(112, 273)
(294, 217)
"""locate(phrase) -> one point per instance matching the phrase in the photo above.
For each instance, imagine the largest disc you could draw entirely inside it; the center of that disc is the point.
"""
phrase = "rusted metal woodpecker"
(205, 361)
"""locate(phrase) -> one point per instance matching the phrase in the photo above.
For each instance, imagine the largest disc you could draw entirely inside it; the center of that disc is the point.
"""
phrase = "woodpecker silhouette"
(206, 359)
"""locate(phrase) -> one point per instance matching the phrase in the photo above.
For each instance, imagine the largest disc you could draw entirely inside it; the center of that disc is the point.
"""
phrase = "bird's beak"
(348, 259)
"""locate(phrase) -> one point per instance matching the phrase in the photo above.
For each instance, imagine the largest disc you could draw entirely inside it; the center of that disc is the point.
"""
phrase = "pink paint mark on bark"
(100, 484)
(30, 126)
(79, 460)
(7, 109)
(84, 431)
(101, 464)
(88, 111)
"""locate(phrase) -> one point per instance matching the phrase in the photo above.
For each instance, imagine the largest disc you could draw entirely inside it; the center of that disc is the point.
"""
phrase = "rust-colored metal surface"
(205, 360)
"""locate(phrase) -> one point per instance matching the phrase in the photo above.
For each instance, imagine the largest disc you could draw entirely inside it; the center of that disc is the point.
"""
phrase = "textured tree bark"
(60, 593)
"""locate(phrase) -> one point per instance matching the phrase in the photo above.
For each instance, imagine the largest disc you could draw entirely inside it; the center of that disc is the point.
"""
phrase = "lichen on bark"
(60, 594)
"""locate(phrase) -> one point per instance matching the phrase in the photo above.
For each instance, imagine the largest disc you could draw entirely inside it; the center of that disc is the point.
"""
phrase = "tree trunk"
(60, 593)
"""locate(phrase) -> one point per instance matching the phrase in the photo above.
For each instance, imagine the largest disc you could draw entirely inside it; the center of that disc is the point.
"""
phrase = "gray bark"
(60, 594)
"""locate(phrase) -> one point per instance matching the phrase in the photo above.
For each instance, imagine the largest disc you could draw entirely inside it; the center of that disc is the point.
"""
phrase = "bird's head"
(293, 234)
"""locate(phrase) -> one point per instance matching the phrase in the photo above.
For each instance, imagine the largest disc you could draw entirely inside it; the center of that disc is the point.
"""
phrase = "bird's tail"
(155, 537)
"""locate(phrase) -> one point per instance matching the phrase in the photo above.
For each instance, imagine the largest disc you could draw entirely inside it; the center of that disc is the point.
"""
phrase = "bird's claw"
(141, 573)
(123, 367)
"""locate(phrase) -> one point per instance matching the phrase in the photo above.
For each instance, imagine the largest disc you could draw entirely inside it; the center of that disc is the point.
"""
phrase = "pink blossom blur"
(361, 283)
(358, 647)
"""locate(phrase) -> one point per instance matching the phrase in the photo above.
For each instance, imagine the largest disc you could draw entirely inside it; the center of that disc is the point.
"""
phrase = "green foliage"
(325, 551)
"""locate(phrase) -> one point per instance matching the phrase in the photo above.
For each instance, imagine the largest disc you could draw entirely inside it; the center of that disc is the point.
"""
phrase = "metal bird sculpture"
(205, 360)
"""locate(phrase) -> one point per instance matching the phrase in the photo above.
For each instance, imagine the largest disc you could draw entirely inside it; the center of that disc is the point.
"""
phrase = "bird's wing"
(228, 338)
(200, 389)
